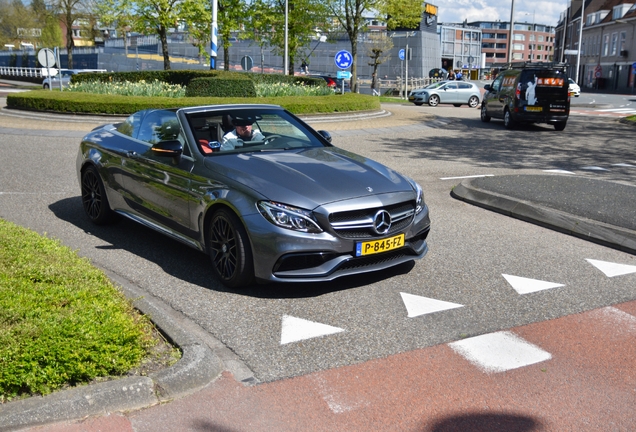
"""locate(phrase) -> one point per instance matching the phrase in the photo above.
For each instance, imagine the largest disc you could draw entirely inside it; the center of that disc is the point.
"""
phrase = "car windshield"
(250, 130)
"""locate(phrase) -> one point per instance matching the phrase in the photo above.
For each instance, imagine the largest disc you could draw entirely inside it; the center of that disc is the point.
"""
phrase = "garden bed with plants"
(63, 322)
(126, 93)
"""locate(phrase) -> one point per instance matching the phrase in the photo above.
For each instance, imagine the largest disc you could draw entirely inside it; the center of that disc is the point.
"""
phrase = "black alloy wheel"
(509, 123)
(484, 113)
(94, 199)
(230, 250)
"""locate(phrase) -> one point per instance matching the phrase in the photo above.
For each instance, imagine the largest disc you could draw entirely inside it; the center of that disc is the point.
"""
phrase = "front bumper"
(287, 256)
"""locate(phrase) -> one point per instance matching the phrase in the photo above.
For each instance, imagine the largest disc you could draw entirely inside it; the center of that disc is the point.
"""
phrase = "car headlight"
(419, 201)
(289, 217)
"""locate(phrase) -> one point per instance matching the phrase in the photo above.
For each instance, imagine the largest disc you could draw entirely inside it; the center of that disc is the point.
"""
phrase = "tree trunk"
(226, 57)
(163, 37)
(69, 41)
(354, 65)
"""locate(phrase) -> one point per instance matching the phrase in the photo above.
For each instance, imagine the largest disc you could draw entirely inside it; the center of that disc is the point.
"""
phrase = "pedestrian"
(451, 75)
(459, 75)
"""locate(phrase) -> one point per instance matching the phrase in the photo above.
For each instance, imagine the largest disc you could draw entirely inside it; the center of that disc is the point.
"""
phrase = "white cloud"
(543, 11)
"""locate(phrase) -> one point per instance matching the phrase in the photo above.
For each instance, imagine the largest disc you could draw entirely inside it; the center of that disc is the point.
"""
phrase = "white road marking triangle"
(559, 171)
(418, 305)
(525, 285)
(612, 269)
(594, 168)
(499, 352)
(297, 329)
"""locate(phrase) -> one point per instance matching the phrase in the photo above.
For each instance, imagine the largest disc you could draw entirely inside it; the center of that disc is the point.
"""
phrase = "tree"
(302, 18)
(231, 14)
(378, 48)
(350, 16)
(68, 13)
(13, 16)
(401, 13)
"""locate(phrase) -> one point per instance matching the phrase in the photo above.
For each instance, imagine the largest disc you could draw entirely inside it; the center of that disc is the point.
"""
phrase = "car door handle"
(131, 154)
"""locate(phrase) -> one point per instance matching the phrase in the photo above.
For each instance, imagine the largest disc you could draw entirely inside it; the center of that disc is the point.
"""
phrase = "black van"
(527, 92)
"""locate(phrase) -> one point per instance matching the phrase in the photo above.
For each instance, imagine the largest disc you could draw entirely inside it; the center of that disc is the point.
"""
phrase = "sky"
(456, 11)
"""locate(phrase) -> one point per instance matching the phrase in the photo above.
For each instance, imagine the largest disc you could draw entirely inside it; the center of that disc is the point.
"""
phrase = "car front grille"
(358, 224)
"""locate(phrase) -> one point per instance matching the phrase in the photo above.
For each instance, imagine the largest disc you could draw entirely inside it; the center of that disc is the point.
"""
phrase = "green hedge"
(221, 87)
(87, 103)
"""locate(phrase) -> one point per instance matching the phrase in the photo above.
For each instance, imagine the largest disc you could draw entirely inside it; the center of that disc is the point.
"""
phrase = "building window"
(500, 55)
(488, 45)
(518, 47)
(614, 43)
(517, 56)
(519, 37)
(540, 38)
(502, 35)
(621, 44)
(501, 46)
(606, 39)
(488, 35)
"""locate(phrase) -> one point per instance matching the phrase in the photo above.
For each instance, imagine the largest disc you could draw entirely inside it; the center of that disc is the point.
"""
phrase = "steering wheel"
(270, 138)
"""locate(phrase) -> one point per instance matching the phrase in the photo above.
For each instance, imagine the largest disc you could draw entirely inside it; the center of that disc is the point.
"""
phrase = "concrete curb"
(598, 232)
(197, 367)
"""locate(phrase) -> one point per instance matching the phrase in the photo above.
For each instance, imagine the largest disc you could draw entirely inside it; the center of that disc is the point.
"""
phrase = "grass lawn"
(62, 322)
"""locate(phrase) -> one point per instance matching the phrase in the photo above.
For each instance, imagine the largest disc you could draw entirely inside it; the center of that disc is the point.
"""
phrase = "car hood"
(309, 178)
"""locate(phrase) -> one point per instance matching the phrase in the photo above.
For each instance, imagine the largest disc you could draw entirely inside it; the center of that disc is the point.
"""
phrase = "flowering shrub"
(141, 88)
(282, 89)
(159, 88)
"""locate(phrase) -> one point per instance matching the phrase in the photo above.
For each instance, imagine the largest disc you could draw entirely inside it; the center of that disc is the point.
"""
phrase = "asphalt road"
(470, 248)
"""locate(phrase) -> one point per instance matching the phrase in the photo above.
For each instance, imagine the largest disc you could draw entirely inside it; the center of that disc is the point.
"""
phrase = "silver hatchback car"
(457, 93)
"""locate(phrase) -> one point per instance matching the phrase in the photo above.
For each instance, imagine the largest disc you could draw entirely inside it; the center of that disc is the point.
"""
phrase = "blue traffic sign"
(634, 68)
(343, 59)
(401, 54)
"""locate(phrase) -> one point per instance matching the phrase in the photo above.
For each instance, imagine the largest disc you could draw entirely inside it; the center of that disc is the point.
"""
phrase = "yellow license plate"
(535, 109)
(379, 246)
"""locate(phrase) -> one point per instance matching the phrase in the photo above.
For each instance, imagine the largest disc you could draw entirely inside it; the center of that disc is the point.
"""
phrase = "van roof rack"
(535, 65)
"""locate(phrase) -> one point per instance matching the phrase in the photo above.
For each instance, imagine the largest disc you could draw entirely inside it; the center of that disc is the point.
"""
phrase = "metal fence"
(21, 72)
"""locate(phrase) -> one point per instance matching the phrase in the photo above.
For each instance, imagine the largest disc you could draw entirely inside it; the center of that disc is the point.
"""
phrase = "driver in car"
(242, 132)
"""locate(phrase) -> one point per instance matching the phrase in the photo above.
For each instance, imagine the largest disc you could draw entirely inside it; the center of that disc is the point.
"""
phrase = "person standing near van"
(459, 75)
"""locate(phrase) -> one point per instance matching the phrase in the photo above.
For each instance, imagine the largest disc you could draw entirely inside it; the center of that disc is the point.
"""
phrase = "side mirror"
(326, 135)
(487, 87)
(171, 148)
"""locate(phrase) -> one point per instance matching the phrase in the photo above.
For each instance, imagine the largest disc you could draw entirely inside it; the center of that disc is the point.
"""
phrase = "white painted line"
(594, 168)
(612, 269)
(297, 329)
(616, 110)
(623, 165)
(418, 305)
(526, 286)
(559, 171)
(499, 352)
(465, 177)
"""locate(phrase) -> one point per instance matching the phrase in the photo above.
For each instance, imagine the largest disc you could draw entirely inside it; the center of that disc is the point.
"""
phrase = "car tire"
(473, 101)
(433, 100)
(509, 123)
(484, 114)
(418, 103)
(230, 250)
(559, 126)
(94, 199)
(45, 86)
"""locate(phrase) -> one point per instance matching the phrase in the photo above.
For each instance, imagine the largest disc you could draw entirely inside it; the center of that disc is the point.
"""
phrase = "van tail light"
(518, 93)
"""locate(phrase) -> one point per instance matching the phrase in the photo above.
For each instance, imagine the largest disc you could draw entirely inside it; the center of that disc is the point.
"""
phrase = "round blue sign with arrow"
(343, 59)
(401, 54)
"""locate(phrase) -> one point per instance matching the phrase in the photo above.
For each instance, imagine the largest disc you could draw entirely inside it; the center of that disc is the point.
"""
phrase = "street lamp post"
(578, 54)
(286, 65)
(512, 25)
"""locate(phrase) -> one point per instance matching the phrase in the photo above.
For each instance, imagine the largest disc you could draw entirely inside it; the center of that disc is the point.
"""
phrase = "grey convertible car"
(276, 203)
